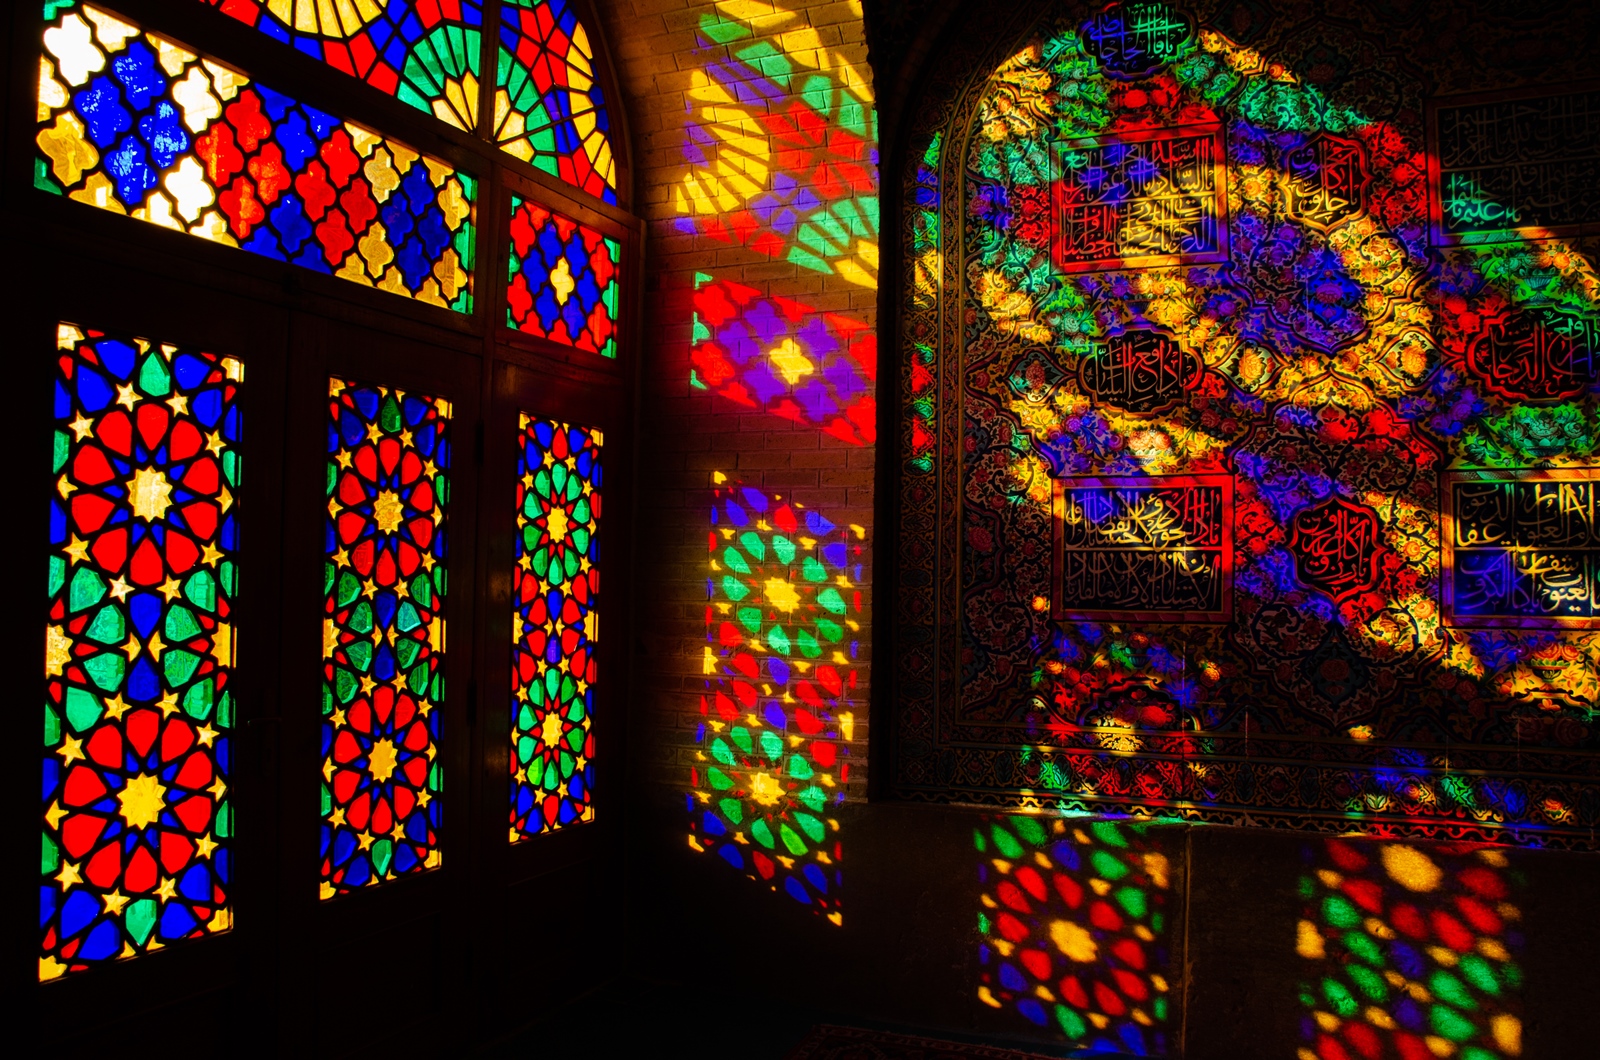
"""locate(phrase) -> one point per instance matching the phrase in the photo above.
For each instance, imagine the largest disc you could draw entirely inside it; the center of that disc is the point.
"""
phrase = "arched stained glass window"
(548, 106)
(424, 54)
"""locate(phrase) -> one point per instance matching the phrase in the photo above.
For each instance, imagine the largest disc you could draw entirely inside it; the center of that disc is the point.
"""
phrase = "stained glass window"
(548, 106)
(383, 634)
(1075, 930)
(555, 590)
(563, 282)
(133, 123)
(139, 649)
(422, 53)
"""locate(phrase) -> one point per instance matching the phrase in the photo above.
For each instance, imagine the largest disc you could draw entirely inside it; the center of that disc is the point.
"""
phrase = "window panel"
(131, 122)
(424, 54)
(548, 106)
(139, 649)
(563, 280)
(555, 593)
(383, 638)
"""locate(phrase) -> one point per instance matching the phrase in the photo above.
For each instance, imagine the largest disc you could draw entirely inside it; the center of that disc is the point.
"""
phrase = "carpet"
(827, 1042)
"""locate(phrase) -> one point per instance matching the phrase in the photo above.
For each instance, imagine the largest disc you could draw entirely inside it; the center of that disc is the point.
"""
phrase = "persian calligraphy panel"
(1522, 548)
(1516, 165)
(423, 54)
(1141, 199)
(1144, 549)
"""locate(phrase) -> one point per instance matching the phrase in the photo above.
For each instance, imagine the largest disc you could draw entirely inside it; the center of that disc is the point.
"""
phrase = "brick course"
(661, 49)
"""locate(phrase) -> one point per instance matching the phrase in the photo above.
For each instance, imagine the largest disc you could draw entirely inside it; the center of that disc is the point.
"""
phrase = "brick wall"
(755, 152)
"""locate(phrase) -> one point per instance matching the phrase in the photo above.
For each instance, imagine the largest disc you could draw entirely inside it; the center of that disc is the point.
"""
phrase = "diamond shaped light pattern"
(139, 649)
(383, 634)
(555, 588)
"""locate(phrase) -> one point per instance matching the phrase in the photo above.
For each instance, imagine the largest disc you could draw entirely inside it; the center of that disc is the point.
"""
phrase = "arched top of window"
(549, 107)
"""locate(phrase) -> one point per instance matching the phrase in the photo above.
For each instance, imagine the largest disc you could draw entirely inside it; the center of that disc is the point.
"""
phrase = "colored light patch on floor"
(423, 53)
(563, 282)
(1409, 952)
(140, 646)
(1074, 922)
(133, 123)
(383, 639)
(555, 621)
(778, 711)
(786, 358)
(549, 108)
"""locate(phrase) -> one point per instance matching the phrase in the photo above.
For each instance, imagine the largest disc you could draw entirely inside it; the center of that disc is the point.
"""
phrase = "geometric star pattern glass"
(783, 608)
(563, 280)
(555, 589)
(139, 649)
(548, 107)
(131, 122)
(424, 54)
(383, 634)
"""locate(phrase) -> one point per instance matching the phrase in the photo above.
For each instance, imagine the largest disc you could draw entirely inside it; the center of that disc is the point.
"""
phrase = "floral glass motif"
(555, 590)
(563, 282)
(139, 649)
(549, 110)
(133, 123)
(383, 634)
(422, 53)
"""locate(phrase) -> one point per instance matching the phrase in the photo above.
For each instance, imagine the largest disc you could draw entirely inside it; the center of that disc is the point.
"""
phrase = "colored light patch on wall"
(782, 622)
(563, 282)
(383, 634)
(1409, 952)
(133, 123)
(786, 358)
(781, 145)
(422, 53)
(1332, 365)
(139, 649)
(555, 589)
(549, 109)
(1074, 922)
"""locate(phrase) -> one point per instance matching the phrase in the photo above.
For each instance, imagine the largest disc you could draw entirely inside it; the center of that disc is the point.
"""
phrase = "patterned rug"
(827, 1042)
